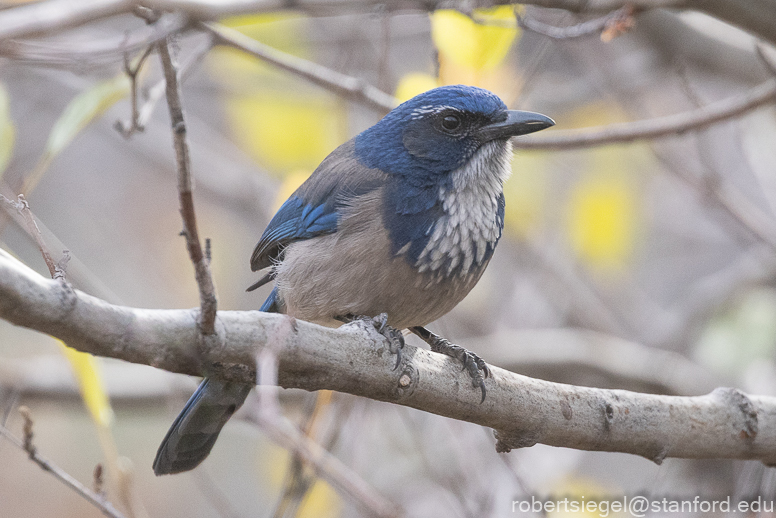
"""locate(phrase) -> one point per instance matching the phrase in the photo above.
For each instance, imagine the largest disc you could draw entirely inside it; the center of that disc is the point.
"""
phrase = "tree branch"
(207, 290)
(356, 360)
(357, 90)
(755, 16)
(90, 496)
(348, 87)
(702, 117)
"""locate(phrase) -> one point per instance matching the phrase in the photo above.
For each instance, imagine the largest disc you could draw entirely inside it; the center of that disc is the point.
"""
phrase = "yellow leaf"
(285, 131)
(321, 502)
(478, 46)
(525, 193)
(414, 84)
(602, 220)
(87, 371)
(7, 130)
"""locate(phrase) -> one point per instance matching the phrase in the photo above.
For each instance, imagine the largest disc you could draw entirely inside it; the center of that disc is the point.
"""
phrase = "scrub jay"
(399, 221)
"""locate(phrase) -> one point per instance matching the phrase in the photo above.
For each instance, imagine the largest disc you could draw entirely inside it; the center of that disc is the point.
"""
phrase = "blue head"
(446, 154)
(438, 131)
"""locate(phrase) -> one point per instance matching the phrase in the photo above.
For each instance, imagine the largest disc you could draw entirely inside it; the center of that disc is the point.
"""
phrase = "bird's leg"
(380, 323)
(475, 365)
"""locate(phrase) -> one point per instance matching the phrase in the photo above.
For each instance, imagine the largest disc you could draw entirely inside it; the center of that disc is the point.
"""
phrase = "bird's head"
(438, 131)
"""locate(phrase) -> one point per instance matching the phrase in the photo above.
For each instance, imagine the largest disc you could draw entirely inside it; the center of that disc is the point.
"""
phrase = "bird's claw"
(380, 323)
(473, 364)
(393, 335)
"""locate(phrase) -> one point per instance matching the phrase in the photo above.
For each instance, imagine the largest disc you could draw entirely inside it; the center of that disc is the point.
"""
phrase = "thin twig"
(23, 208)
(766, 56)
(357, 90)
(96, 52)
(157, 91)
(619, 18)
(348, 87)
(90, 496)
(207, 291)
(718, 111)
(132, 72)
(268, 416)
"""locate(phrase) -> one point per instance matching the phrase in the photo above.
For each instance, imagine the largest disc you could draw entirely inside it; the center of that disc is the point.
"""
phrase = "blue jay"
(399, 221)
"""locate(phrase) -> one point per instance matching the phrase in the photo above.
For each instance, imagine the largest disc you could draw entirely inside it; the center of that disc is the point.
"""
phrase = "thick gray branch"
(524, 411)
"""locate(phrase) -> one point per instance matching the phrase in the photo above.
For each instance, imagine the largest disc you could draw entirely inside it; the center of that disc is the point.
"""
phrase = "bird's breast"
(463, 238)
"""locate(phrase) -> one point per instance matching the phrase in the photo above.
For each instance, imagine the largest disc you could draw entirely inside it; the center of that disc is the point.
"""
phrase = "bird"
(394, 227)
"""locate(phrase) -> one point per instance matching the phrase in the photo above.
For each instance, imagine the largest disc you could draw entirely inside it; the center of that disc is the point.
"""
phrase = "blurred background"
(647, 266)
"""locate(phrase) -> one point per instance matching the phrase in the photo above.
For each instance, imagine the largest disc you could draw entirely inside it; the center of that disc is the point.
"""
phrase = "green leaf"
(82, 111)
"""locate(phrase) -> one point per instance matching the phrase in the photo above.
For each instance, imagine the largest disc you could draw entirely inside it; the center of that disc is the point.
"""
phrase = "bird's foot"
(473, 364)
(380, 323)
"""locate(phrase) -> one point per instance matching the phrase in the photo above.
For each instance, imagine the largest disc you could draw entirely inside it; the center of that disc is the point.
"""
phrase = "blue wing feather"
(295, 220)
(314, 209)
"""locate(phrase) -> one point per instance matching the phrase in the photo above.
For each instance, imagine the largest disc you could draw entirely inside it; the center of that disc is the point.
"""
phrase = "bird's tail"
(194, 432)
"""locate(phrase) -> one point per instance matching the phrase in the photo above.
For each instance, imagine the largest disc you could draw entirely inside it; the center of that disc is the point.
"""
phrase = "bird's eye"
(451, 122)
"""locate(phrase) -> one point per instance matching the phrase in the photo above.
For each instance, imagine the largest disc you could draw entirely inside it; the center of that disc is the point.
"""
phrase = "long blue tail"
(191, 437)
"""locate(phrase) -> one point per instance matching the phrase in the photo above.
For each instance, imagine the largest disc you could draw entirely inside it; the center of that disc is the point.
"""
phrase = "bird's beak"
(516, 123)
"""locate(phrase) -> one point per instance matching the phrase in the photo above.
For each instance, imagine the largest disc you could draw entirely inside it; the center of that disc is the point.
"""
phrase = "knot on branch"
(506, 441)
(408, 380)
(742, 406)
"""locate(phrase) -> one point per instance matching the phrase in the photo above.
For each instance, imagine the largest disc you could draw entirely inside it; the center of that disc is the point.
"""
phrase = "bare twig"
(282, 431)
(354, 359)
(705, 116)
(619, 18)
(348, 87)
(97, 51)
(23, 208)
(132, 72)
(766, 56)
(355, 89)
(755, 16)
(157, 91)
(97, 476)
(90, 496)
(78, 273)
(207, 290)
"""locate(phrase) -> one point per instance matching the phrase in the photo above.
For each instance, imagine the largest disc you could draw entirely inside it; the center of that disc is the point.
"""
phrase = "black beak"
(516, 123)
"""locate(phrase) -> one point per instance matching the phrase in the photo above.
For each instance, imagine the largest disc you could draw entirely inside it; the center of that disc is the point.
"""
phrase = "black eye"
(451, 122)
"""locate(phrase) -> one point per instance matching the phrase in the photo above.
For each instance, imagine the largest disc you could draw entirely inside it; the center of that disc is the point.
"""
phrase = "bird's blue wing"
(314, 209)
(295, 220)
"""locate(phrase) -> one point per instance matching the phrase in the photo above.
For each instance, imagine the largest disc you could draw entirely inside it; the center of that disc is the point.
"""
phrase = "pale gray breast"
(354, 272)
(472, 224)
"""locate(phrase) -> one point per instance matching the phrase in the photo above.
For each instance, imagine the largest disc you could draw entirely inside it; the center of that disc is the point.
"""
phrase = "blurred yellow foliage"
(414, 84)
(283, 123)
(285, 131)
(321, 501)
(602, 216)
(87, 372)
(479, 46)
(590, 498)
(603, 211)
(525, 193)
(7, 130)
